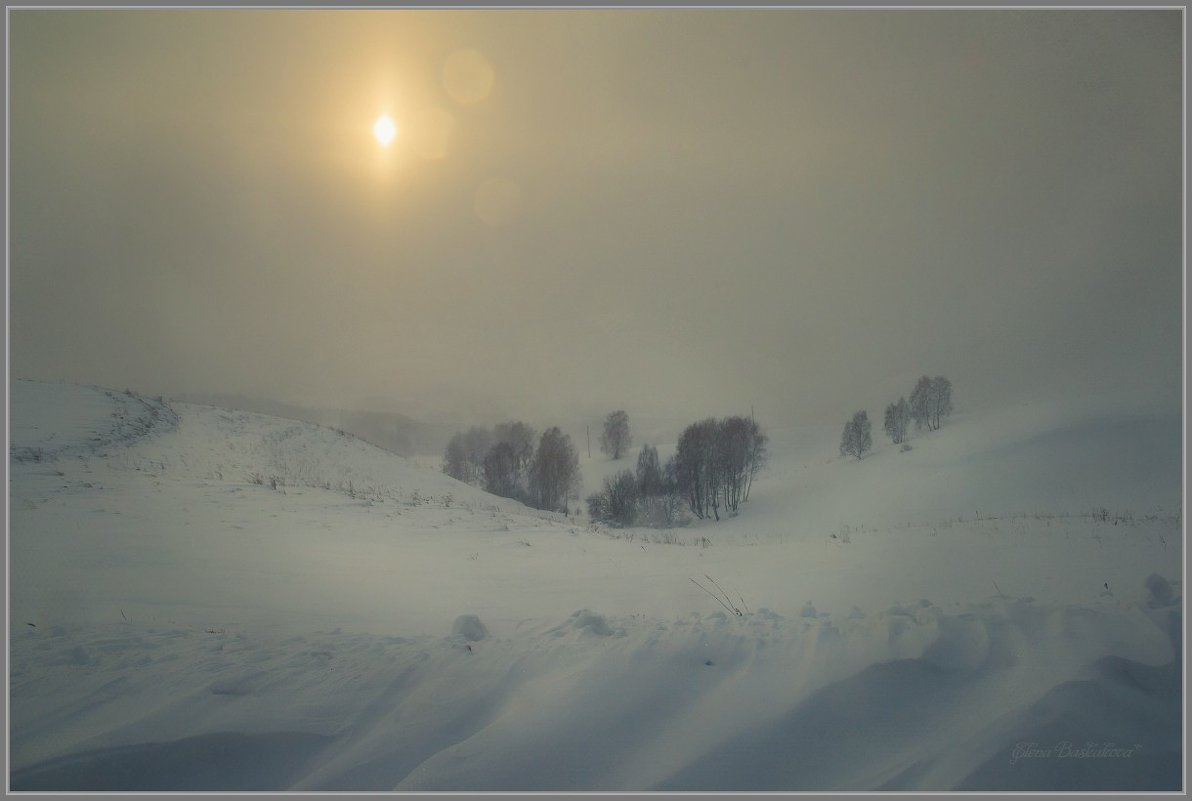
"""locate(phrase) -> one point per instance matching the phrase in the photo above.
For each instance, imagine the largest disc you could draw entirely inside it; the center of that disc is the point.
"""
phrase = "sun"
(384, 129)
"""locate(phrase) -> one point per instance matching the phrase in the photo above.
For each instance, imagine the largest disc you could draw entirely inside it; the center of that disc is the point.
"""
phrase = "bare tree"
(756, 452)
(621, 494)
(476, 442)
(615, 438)
(470, 457)
(649, 472)
(942, 400)
(931, 401)
(732, 459)
(664, 510)
(554, 472)
(455, 458)
(856, 438)
(898, 416)
(921, 403)
(501, 471)
(598, 507)
(695, 468)
(521, 439)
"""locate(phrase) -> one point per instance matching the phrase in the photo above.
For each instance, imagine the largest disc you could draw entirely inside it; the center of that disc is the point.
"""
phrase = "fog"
(679, 213)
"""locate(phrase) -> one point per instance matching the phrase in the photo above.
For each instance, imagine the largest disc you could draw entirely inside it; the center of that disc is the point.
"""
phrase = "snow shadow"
(223, 761)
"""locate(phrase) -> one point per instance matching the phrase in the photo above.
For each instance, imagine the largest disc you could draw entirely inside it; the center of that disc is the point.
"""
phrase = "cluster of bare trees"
(716, 462)
(930, 403)
(713, 469)
(505, 462)
(464, 457)
(648, 496)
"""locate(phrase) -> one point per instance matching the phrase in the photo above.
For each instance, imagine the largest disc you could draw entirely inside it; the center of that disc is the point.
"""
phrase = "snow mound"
(469, 627)
(1160, 589)
(587, 622)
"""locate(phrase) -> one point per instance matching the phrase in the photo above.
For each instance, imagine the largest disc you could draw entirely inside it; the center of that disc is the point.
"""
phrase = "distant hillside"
(394, 432)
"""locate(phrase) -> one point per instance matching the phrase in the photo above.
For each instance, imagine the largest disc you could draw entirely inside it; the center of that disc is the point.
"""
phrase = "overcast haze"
(679, 212)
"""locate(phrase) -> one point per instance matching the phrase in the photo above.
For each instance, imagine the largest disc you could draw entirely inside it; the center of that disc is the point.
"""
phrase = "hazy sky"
(676, 212)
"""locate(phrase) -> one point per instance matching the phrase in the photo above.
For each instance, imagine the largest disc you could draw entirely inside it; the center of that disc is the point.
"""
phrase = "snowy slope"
(1034, 460)
(224, 600)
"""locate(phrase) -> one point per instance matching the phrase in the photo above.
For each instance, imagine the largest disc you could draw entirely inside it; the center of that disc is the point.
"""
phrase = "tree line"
(930, 403)
(713, 468)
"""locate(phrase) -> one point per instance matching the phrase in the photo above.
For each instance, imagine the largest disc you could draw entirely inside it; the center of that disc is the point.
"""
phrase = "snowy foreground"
(209, 599)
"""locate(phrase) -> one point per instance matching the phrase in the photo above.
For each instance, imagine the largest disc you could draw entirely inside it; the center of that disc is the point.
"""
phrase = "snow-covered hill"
(204, 598)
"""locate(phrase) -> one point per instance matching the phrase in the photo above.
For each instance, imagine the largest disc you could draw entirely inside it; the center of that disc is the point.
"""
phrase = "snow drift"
(206, 599)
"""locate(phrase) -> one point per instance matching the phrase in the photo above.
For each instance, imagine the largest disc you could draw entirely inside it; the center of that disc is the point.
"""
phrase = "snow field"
(232, 601)
(703, 702)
